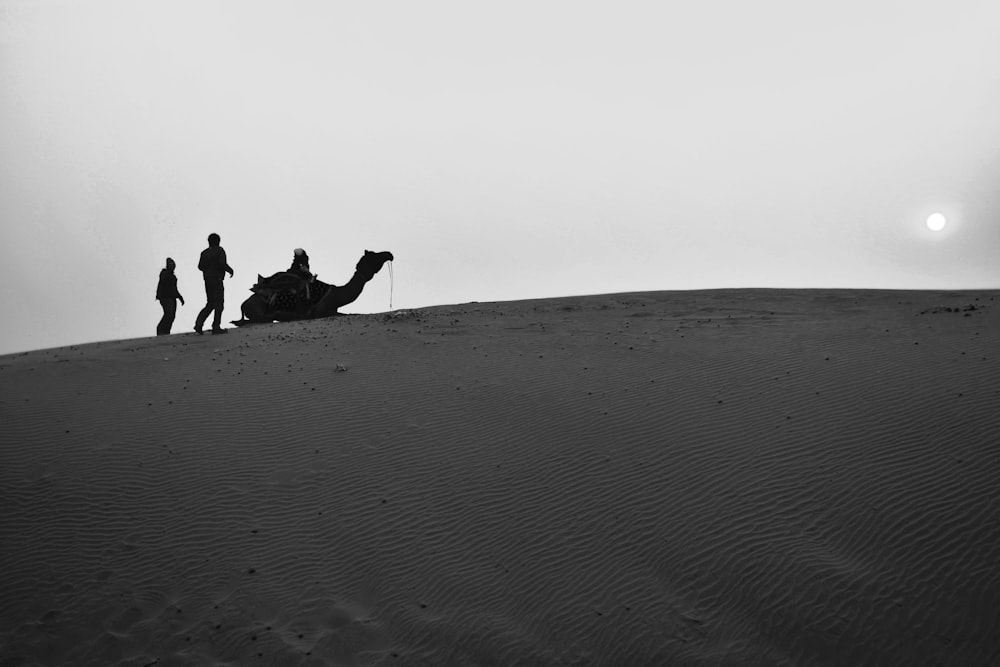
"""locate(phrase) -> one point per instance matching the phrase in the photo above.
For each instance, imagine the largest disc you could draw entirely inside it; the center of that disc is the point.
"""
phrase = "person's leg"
(163, 327)
(203, 314)
(167, 321)
(170, 314)
(217, 322)
(217, 301)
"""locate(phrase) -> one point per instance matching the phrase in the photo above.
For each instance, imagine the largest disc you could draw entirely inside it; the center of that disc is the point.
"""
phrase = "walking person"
(167, 295)
(214, 267)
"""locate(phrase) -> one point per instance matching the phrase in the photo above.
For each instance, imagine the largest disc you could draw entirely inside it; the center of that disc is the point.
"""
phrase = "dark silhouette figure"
(214, 267)
(167, 295)
(300, 269)
(300, 264)
(284, 296)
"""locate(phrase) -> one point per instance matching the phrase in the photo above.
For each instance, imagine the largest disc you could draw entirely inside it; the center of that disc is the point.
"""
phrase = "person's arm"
(222, 258)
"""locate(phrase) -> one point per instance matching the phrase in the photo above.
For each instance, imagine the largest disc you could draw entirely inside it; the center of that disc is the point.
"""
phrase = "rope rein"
(390, 286)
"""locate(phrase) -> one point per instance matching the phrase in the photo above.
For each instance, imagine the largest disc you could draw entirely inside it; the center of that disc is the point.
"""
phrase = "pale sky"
(500, 150)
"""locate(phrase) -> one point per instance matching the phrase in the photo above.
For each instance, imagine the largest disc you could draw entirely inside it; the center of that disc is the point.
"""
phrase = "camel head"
(372, 262)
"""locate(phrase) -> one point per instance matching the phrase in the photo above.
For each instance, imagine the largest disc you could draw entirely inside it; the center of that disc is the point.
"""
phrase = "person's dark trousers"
(215, 293)
(167, 321)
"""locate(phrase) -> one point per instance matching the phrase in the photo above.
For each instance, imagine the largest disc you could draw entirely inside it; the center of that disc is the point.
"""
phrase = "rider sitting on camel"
(300, 265)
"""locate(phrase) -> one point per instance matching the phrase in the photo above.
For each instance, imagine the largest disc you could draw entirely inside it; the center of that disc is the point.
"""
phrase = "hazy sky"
(501, 150)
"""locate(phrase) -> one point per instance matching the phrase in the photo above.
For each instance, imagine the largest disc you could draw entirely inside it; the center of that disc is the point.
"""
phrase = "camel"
(286, 296)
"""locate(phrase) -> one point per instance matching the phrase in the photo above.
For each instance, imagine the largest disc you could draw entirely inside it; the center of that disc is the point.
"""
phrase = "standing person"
(167, 295)
(214, 267)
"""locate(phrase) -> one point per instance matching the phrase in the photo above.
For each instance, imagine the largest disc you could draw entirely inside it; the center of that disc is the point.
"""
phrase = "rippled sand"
(726, 477)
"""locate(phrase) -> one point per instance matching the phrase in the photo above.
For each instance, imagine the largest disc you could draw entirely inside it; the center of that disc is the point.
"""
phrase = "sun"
(936, 222)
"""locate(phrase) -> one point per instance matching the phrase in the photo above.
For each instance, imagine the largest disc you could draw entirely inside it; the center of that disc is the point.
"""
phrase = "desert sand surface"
(722, 477)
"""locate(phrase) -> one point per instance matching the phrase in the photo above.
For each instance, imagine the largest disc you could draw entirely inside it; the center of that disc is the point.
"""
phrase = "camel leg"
(255, 309)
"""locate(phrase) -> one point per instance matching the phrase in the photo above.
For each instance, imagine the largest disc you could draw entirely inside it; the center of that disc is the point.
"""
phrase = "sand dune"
(728, 477)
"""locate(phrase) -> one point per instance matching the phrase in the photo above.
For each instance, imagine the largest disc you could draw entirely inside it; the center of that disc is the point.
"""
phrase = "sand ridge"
(722, 477)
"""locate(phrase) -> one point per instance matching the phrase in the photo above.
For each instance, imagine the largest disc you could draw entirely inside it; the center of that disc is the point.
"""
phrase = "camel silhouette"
(286, 296)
